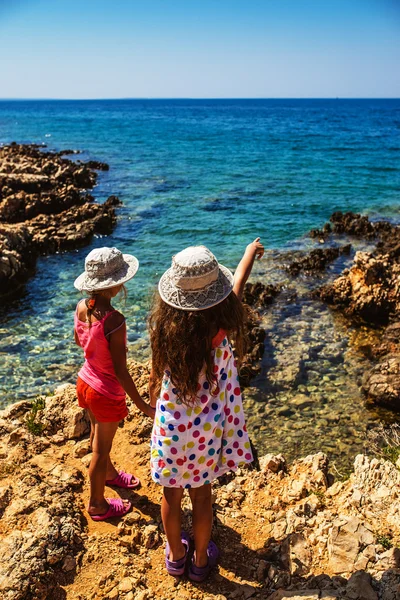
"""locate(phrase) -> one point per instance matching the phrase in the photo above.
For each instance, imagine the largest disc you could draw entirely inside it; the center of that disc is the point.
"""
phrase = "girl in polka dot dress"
(199, 431)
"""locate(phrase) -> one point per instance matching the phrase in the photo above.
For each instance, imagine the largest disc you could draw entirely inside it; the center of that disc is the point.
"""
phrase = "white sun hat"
(196, 280)
(106, 268)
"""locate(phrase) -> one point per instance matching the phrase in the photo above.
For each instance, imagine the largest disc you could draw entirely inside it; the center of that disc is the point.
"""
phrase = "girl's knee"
(173, 495)
(103, 449)
(201, 495)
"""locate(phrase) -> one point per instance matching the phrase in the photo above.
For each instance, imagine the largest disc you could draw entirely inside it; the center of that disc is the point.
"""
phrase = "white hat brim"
(202, 299)
(84, 283)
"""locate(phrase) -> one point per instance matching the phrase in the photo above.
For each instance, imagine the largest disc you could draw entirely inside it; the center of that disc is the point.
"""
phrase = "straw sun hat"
(106, 268)
(196, 280)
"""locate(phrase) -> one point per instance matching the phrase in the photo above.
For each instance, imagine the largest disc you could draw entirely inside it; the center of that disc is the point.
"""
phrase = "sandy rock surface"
(285, 531)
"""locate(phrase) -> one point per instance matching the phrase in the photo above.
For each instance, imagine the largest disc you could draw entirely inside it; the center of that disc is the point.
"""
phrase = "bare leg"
(111, 470)
(202, 522)
(171, 518)
(92, 424)
(102, 442)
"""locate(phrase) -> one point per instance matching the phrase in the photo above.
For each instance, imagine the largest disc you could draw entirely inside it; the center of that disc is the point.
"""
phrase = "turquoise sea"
(213, 172)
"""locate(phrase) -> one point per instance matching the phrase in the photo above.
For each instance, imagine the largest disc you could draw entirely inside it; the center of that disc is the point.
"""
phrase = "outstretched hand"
(256, 248)
(253, 251)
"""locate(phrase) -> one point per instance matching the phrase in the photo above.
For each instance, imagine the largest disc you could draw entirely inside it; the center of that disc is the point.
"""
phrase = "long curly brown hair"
(181, 341)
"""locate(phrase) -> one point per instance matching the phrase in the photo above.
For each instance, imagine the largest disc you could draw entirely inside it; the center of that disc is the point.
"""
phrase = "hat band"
(196, 283)
(104, 269)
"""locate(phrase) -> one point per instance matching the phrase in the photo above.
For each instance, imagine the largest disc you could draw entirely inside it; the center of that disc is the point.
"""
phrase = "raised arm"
(253, 251)
(118, 355)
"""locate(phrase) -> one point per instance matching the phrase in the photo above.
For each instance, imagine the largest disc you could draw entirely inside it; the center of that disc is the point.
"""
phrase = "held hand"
(150, 411)
(256, 249)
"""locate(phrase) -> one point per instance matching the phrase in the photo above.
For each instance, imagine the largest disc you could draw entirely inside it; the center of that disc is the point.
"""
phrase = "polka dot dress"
(191, 446)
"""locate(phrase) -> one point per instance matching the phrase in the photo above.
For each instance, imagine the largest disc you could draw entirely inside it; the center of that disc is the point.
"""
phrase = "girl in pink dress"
(199, 431)
(104, 380)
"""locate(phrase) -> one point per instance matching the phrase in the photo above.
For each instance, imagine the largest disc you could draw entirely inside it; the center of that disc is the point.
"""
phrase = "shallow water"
(218, 173)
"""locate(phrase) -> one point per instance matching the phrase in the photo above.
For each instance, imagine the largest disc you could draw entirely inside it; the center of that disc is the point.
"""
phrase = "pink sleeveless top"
(98, 369)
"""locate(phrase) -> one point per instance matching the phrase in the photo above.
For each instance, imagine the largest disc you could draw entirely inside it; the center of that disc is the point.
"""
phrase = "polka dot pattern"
(191, 446)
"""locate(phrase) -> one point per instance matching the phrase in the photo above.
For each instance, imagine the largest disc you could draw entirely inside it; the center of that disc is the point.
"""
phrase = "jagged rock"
(33, 546)
(321, 233)
(283, 526)
(273, 463)
(295, 595)
(308, 474)
(379, 483)
(358, 225)
(99, 166)
(359, 587)
(345, 540)
(259, 295)
(382, 383)
(296, 554)
(5, 497)
(388, 560)
(151, 536)
(63, 416)
(251, 364)
(369, 291)
(317, 260)
(43, 208)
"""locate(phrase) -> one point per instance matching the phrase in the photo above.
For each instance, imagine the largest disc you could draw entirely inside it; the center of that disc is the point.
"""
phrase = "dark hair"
(181, 341)
(90, 306)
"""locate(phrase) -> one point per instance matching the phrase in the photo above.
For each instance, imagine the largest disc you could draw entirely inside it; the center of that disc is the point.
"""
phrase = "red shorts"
(105, 409)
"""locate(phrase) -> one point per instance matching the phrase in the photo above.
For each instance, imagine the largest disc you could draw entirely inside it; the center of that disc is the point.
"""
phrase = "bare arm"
(242, 273)
(152, 390)
(118, 355)
(76, 338)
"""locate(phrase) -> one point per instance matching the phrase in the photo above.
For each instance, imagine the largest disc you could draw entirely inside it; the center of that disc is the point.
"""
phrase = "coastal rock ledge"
(45, 208)
(285, 531)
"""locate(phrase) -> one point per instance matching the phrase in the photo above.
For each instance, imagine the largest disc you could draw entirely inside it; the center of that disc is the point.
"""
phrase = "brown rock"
(43, 209)
(296, 554)
(347, 537)
(359, 587)
(382, 383)
(367, 292)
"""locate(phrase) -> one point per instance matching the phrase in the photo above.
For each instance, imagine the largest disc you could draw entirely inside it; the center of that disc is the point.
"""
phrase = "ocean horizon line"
(185, 98)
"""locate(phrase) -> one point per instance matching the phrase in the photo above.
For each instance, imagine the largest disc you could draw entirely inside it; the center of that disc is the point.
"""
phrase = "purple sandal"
(177, 567)
(200, 573)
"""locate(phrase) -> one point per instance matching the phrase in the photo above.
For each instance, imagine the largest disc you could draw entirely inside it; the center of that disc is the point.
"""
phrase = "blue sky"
(199, 48)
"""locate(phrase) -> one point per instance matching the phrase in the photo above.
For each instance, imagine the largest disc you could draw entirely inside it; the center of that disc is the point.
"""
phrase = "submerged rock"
(317, 260)
(256, 296)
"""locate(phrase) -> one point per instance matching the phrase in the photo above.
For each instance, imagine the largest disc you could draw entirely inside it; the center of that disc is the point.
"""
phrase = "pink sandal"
(124, 480)
(116, 508)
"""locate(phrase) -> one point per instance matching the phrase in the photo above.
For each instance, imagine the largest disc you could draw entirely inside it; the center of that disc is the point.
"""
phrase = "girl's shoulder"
(219, 338)
(113, 321)
(80, 311)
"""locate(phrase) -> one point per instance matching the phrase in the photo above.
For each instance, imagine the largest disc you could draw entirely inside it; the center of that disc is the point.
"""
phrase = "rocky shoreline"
(285, 531)
(369, 293)
(366, 294)
(45, 207)
(316, 537)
